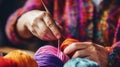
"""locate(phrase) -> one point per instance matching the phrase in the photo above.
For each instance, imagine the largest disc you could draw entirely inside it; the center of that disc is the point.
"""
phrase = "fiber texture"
(21, 58)
(48, 60)
(48, 49)
(7, 63)
(79, 62)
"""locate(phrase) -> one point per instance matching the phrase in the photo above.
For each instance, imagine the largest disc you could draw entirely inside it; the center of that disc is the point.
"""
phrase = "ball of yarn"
(48, 60)
(21, 58)
(66, 42)
(7, 63)
(54, 51)
(79, 62)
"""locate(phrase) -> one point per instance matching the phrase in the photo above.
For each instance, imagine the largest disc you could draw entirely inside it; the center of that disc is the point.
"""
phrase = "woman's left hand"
(88, 50)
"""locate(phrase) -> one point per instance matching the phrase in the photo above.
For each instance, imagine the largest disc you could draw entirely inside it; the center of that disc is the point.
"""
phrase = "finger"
(52, 25)
(81, 53)
(61, 30)
(76, 46)
(39, 33)
(30, 27)
(39, 29)
(59, 26)
(93, 58)
(44, 32)
(88, 52)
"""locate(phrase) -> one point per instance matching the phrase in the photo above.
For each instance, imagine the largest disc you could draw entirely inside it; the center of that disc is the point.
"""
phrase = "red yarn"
(7, 63)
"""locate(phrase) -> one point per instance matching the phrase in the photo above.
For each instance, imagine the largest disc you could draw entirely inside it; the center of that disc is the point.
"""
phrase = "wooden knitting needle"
(50, 14)
(45, 7)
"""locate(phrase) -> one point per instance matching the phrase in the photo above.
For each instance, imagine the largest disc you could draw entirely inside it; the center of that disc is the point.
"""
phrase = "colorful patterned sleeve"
(11, 23)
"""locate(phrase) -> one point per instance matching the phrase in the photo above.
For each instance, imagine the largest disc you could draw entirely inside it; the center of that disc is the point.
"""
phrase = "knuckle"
(92, 49)
(77, 52)
(74, 45)
(49, 24)
(89, 44)
(44, 13)
(33, 25)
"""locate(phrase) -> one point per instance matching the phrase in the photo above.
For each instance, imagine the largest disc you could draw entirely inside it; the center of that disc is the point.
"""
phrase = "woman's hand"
(39, 24)
(88, 50)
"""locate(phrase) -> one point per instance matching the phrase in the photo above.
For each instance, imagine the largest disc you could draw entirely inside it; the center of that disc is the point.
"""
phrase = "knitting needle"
(45, 7)
(48, 11)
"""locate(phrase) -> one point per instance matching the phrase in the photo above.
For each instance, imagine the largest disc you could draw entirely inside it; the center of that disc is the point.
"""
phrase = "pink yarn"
(117, 44)
(48, 49)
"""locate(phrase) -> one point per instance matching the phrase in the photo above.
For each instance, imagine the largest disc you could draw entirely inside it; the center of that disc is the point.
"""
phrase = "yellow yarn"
(21, 58)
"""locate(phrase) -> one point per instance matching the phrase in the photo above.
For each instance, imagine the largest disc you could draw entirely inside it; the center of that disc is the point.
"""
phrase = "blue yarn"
(48, 60)
(80, 62)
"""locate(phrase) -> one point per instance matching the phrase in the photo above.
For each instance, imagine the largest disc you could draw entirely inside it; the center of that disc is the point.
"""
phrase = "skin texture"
(38, 23)
(41, 25)
(88, 50)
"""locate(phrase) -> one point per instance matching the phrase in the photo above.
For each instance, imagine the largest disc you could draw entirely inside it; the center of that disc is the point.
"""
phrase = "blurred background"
(7, 7)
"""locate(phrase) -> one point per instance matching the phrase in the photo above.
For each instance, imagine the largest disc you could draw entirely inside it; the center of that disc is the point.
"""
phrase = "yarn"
(66, 42)
(48, 60)
(117, 44)
(21, 58)
(79, 62)
(54, 51)
(7, 63)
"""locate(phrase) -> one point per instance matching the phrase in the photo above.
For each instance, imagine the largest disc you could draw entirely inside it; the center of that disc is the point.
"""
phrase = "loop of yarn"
(48, 60)
(21, 58)
(79, 62)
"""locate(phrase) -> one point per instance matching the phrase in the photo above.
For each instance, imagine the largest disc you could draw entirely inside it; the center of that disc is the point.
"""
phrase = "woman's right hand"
(40, 24)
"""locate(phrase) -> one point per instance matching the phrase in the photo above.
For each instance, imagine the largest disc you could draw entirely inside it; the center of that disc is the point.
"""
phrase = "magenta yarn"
(48, 49)
(48, 60)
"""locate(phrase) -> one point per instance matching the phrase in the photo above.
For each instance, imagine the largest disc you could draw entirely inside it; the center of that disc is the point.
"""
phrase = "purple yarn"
(48, 49)
(48, 60)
